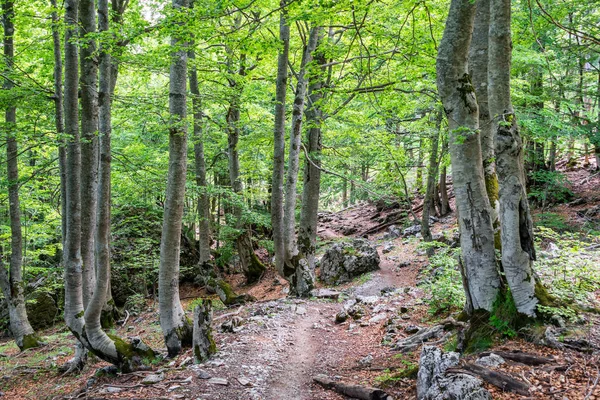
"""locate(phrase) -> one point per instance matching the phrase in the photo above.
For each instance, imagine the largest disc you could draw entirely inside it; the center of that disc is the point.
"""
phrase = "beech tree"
(176, 327)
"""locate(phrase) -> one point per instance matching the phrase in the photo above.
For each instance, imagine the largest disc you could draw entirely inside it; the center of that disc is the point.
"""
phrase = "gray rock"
(152, 379)
(392, 232)
(432, 384)
(111, 389)
(300, 310)
(493, 360)
(325, 294)
(340, 317)
(202, 374)
(412, 230)
(356, 312)
(345, 261)
(378, 318)
(388, 248)
(219, 381)
(366, 361)
(368, 300)
(411, 329)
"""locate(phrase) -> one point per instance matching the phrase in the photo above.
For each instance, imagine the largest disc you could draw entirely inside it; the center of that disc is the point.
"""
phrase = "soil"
(283, 342)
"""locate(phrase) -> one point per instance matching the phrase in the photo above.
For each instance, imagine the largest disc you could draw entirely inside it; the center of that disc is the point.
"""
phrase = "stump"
(203, 343)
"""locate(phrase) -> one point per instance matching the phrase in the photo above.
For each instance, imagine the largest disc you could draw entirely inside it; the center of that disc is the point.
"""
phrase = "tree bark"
(431, 175)
(289, 209)
(88, 82)
(176, 327)
(515, 219)
(482, 281)
(200, 165)
(12, 284)
(478, 69)
(203, 343)
(303, 279)
(279, 143)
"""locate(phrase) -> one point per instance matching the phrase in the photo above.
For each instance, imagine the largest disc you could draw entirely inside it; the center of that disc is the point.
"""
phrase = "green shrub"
(444, 281)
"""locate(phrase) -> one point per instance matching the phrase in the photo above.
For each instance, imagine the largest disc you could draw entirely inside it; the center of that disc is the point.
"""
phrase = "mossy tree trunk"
(176, 327)
(203, 344)
(432, 172)
(482, 281)
(516, 223)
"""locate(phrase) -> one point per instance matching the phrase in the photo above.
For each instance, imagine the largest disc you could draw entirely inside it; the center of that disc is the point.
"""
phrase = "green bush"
(549, 187)
(444, 281)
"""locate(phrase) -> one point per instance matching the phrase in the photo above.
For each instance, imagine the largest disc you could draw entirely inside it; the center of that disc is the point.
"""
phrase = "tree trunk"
(515, 219)
(303, 279)
(431, 175)
(72, 240)
(444, 199)
(12, 284)
(88, 82)
(279, 143)
(176, 327)
(482, 281)
(203, 343)
(289, 210)
(478, 69)
(200, 164)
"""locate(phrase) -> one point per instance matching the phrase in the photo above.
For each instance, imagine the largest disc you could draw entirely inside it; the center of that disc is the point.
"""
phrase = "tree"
(518, 250)
(176, 327)
(11, 282)
(277, 197)
(481, 279)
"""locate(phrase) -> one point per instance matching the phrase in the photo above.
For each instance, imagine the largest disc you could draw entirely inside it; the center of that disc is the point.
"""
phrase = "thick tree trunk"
(478, 69)
(431, 175)
(279, 143)
(88, 82)
(203, 343)
(289, 209)
(200, 165)
(482, 281)
(72, 240)
(176, 327)
(303, 278)
(12, 285)
(515, 219)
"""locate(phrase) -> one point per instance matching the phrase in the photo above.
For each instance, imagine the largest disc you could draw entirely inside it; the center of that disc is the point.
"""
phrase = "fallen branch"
(126, 318)
(503, 381)
(231, 314)
(412, 342)
(354, 391)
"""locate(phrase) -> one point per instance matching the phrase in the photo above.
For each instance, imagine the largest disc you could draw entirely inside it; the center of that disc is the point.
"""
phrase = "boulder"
(345, 261)
(493, 360)
(412, 230)
(392, 232)
(433, 384)
(42, 311)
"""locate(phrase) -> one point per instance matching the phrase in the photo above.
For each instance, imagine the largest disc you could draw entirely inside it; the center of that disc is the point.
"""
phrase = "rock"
(300, 310)
(42, 310)
(403, 264)
(219, 381)
(493, 360)
(340, 317)
(366, 361)
(345, 261)
(152, 379)
(368, 300)
(202, 374)
(325, 294)
(388, 290)
(392, 232)
(412, 230)
(432, 384)
(411, 329)
(244, 382)
(356, 312)
(172, 388)
(111, 389)
(186, 361)
(107, 371)
(233, 325)
(404, 309)
(378, 318)
(388, 248)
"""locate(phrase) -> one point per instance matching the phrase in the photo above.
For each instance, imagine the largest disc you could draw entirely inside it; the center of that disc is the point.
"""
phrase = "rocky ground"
(272, 348)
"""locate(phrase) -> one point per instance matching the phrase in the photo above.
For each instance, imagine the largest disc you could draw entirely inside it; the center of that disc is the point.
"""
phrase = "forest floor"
(272, 348)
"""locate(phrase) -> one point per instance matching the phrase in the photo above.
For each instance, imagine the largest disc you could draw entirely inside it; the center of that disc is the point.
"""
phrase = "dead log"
(354, 391)
(503, 381)
(523, 358)
(202, 341)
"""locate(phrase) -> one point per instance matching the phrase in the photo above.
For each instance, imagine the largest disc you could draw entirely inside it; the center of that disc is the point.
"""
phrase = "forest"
(300, 199)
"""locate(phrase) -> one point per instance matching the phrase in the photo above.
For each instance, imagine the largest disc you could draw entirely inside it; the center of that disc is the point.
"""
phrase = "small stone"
(111, 389)
(403, 309)
(219, 381)
(174, 387)
(202, 374)
(340, 317)
(366, 361)
(300, 310)
(378, 318)
(493, 360)
(244, 382)
(369, 300)
(356, 312)
(411, 329)
(325, 294)
(152, 379)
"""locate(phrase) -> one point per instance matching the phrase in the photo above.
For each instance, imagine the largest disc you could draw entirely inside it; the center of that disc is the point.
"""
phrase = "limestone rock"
(493, 360)
(345, 261)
